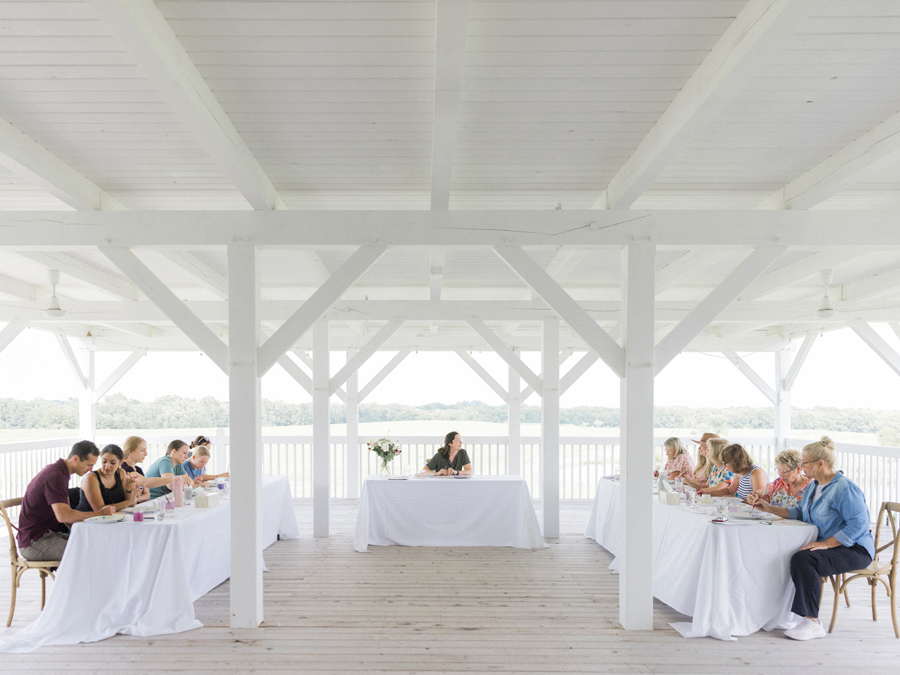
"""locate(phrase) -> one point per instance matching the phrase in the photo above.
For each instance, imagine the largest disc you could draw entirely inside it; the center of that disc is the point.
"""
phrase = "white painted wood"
(798, 361)
(364, 354)
(161, 296)
(66, 264)
(782, 399)
(449, 58)
(878, 344)
(321, 430)
(505, 353)
(72, 360)
(564, 356)
(19, 289)
(438, 260)
(550, 429)
(296, 372)
(148, 39)
(569, 310)
(10, 332)
(483, 374)
(118, 373)
(301, 320)
(514, 424)
(351, 460)
(575, 372)
(701, 316)
(752, 375)
(751, 41)
(895, 327)
(675, 272)
(636, 428)
(805, 269)
(864, 157)
(384, 372)
(206, 275)
(245, 435)
(87, 409)
(878, 285)
(37, 165)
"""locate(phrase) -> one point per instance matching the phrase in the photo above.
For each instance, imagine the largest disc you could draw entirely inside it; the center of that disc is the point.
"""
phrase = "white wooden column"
(550, 428)
(636, 445)
(87, 408)
(245, 435)
(321, 429)
(783, 358)
(351, 460)
(514, 423)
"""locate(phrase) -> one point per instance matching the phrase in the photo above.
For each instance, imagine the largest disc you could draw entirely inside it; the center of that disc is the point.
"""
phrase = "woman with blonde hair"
(134, 451)
(835, 505)
(786, 490)
(679, 463)
(718, 472)
(195, 464)
(750, 477)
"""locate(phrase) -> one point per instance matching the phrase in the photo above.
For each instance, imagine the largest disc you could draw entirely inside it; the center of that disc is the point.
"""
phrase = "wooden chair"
(20, 565)
(884, 571)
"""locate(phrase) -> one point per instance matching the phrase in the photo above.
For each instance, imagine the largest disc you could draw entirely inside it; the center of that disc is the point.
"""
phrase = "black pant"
(808, 566)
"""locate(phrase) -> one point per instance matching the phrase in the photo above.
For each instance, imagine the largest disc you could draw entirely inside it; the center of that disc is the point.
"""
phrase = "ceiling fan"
(54, 310)
(826, 310)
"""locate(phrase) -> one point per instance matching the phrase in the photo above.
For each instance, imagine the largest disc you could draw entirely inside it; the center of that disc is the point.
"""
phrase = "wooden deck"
(477, 610)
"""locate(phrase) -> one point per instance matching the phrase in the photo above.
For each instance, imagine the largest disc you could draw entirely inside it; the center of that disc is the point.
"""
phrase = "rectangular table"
(733, 580)
(143, 578)
(446, 511)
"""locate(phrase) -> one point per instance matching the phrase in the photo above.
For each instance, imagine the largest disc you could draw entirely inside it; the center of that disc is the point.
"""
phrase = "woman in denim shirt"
(835, 505)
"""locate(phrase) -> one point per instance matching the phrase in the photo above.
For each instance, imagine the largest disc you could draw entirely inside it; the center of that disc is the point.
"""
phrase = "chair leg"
(12, 602)
(846, 590)
(43, 590)
(892, 590)
(835, 582)
(874, 585)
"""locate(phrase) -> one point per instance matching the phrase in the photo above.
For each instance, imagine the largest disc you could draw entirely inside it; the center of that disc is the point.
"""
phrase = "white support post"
(244, 421)
(352, 456)
(550, 428)
(119, 373)
(799, 359)
(564, 356)
(636, 445)
(222, 463)
(505, 353)
(9, 333)
(321, 429)
(782, 399)
(87, 408)
(353, 364)
(514, 423)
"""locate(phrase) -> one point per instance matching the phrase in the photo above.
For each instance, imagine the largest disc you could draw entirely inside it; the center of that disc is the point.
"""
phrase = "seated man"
(45, 507)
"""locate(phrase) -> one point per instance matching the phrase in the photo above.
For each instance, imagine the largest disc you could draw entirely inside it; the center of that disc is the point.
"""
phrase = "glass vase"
(385, 466)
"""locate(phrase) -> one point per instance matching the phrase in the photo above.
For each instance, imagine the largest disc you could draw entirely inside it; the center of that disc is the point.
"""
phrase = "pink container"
(138, 517)
(178, 490)
(170, 505)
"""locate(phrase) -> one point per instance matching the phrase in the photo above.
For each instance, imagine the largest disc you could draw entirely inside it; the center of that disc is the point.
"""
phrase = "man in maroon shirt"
(45, 506)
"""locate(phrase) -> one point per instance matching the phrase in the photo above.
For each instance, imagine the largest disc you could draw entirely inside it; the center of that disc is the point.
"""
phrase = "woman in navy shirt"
(835, 505)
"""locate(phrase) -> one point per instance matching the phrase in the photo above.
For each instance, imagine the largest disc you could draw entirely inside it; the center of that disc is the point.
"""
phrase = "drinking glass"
(159, 509)
(689, 494)
(679, 485)
(138, 517)
(721, 508)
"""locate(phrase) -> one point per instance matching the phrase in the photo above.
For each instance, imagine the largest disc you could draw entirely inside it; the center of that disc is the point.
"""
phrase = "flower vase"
(385, 466)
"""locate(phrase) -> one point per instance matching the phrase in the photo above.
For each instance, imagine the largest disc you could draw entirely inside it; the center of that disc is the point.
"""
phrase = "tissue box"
(670, 498)
(204, 499)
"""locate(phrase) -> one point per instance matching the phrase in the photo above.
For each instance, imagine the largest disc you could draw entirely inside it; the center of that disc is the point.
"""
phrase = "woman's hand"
(656, 474)
(442, 472)
(753, 498)
(816, 546)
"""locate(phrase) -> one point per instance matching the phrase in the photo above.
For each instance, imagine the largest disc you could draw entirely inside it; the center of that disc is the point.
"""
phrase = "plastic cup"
(138, 517)
(721, 508)
(679, 485)
(159, 509)
(689, 494)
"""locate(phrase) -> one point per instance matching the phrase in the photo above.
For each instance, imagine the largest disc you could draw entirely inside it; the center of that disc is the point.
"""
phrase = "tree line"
(117, 411)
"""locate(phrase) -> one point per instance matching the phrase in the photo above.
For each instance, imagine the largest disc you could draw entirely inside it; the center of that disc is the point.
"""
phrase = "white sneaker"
(807, 629)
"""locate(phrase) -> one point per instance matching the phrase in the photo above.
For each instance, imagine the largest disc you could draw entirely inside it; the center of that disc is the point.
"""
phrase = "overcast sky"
(840, 371)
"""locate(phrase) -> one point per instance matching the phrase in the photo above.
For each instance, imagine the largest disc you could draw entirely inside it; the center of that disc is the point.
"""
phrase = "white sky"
(841, 371)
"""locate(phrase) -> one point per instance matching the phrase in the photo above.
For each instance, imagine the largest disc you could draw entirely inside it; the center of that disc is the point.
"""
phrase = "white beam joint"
(799, 359)
(507, 354)
(878, 344)
(751, 375)
(483, 374)
(364, 354)
(119, 373)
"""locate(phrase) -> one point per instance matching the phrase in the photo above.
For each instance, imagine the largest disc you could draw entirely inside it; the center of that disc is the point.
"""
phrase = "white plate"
(115, 518)
(458, 476)
(753, 515)
(398, 477)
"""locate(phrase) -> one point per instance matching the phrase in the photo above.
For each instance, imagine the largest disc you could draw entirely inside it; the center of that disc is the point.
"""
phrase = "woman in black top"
(109, 485)
(450, 460)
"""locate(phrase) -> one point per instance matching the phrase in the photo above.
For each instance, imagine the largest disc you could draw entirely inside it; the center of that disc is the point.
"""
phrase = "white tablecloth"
(733, 580)
(444, 511)
(142, 578)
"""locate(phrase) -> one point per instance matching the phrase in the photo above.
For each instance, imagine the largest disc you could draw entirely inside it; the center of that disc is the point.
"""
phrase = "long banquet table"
(447, 511)
(143, 578)
(732, 579)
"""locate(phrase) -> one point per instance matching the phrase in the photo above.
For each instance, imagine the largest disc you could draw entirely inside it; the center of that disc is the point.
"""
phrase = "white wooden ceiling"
(488, 105)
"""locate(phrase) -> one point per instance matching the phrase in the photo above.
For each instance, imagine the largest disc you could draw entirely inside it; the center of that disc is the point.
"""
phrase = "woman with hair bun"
(451, 459)
(835, 505)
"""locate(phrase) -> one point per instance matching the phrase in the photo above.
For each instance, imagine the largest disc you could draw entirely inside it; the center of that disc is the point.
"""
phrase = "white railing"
(583, 461)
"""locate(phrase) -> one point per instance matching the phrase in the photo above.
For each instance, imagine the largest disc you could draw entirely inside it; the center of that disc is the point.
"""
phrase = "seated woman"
(169, 468)
(135, 452)
(836, 506)
(109, 485)
(786, 490)
(199, 457)
(679, 464)
(751, 478)
(718, 472)
(450, 460)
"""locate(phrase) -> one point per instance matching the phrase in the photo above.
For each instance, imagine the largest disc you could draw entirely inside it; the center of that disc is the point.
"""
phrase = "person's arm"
(213, 476)
(466, 470)
(759, 480)
(148, 483)
(721, 490)
(779, 511)
(67, 515)
(852, 507)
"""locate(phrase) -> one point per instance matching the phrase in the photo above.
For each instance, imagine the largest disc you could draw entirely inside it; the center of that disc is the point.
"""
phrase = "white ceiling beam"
(451, 18)
(819, 229)
(85, 272)
(751, 375)
(356, 361)
(384, 372)
(436, 277)
(10, 332)
(683, 267)
(711, 306)
(806, 268)
(19, 289)
(798, 361)
(564, 356)
(576, 371)
(895, 326)
(507, 354)
(314, 308)
(118, 373)
(169, 304)
(132, 328)
(854, 163)
(206, 275)
(749, 43)
(146, 36)
(483, 374)
(878, 344)
(561, 264)
(32, 162)
(304, 357)
(72, 360)
(296, 372)
(875, 286)
(562, 303)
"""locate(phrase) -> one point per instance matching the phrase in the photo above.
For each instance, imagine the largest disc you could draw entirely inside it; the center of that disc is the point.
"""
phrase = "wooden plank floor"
(476, 610)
